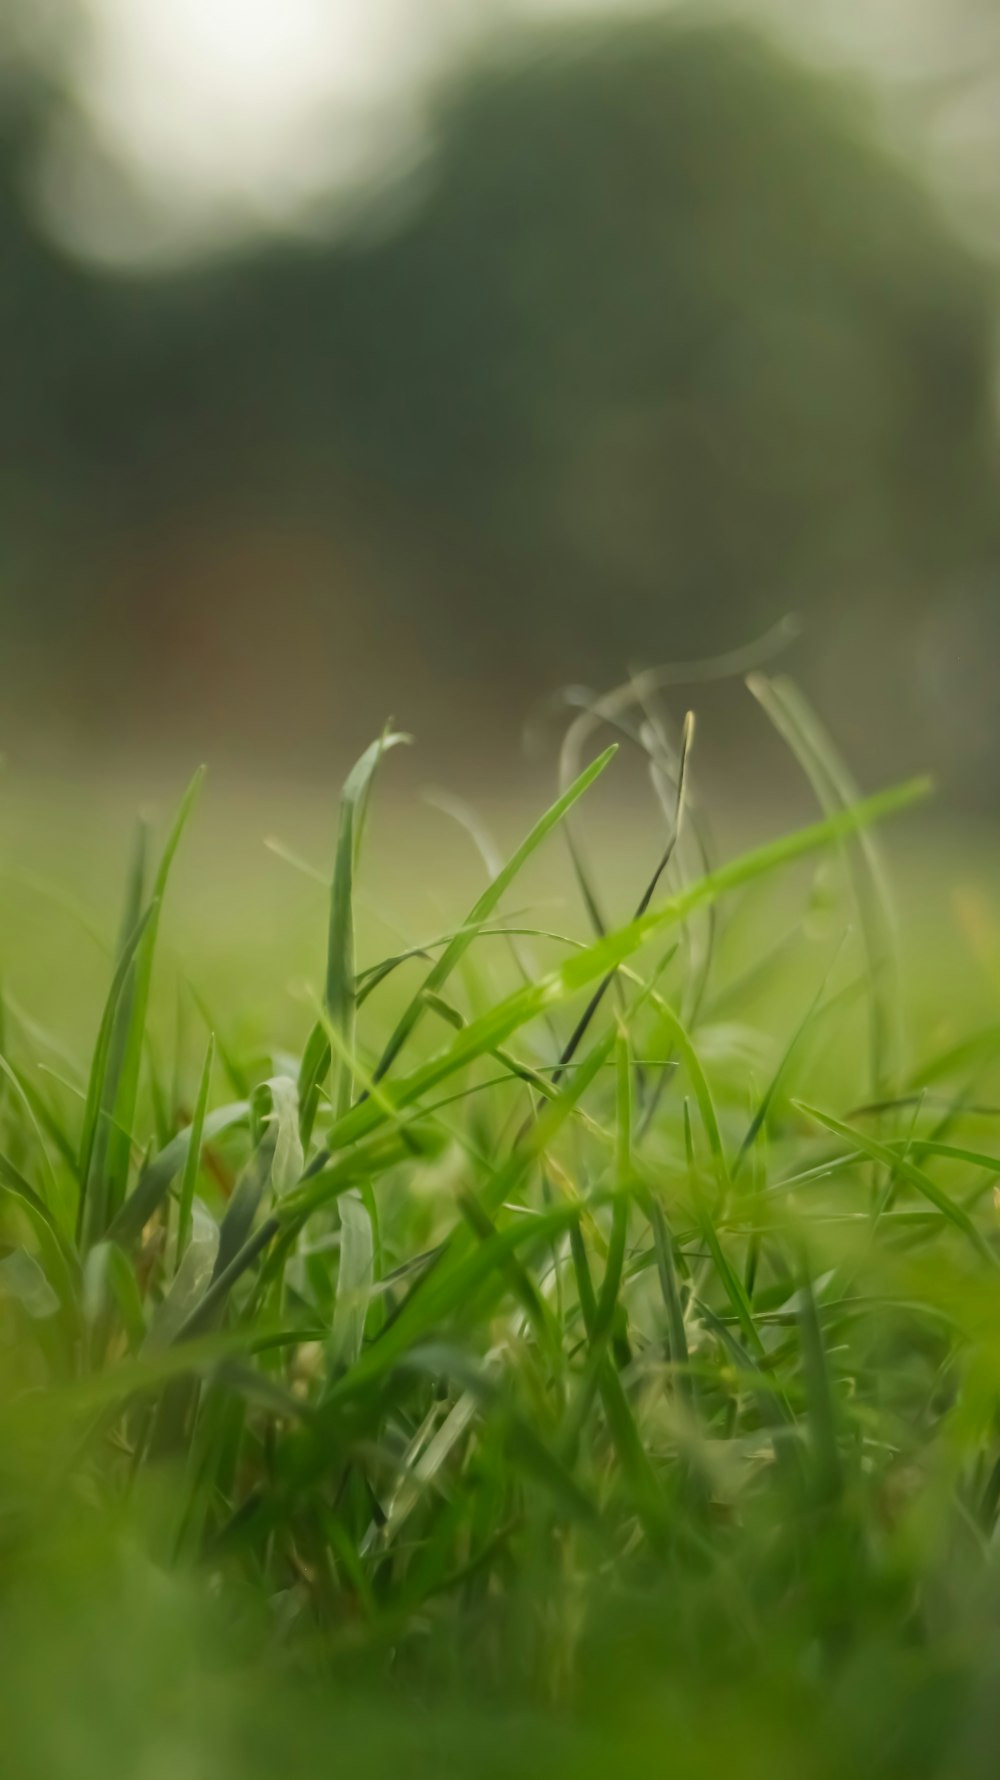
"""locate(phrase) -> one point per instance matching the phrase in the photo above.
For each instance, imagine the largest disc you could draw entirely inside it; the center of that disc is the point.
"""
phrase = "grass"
(582, 1349)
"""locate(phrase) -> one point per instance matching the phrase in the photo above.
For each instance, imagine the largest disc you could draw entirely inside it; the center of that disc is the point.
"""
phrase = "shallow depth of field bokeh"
(420, 359)
(435, 367)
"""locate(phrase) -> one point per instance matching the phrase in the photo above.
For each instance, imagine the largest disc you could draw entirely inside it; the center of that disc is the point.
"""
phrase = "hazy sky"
(223, 115)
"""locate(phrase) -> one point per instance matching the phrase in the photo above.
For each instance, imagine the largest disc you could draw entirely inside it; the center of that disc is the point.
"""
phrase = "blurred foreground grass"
(551, 1350)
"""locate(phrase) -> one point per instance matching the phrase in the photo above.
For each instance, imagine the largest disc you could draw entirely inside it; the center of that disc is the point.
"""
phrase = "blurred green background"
(423, 357)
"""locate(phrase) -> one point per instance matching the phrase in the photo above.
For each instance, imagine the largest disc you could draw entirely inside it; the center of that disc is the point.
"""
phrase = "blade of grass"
(339, 997)
(908, 1171)
(155, 1180)
(834, 788)
(92, 1209)
(484, 907)
(518, 1009)
(192, 1161)
(131, 1059)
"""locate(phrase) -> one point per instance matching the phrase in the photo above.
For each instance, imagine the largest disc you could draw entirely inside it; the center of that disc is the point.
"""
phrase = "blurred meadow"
(498, 1242)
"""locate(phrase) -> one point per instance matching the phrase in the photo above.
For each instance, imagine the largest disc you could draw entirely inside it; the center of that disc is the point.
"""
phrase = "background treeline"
(658, 341)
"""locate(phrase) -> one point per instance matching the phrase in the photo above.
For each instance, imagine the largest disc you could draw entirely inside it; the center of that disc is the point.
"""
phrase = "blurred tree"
(678, 341)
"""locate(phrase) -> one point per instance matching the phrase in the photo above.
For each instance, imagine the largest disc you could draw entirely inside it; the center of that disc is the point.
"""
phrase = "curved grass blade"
(434, 1286)
(339, 994)
(524, 1005)
(462, 813)
(234, 1231)
(701, 1088)
(155, 1180)
(834, 788)
(35, 1118)
(60, 1259)
(766, 1100)
(109, 1284)
(371, 979)
(570, 1049)
(484, 907)
(446, 1292)
(893, 1160)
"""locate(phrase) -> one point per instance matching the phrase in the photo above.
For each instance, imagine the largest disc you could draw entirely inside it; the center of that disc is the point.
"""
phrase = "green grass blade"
(60, 1260)
(354, 1283)
(339, 994)
(192, 1161)
(92, 1212)
(96, 1176)
(241, 1212)
(524, 1005)
(607, 1303)
(916, 1177)
(766, 1100)
(666, 1267)
(450, 1292)
(155, 1180)
(484, 907)
(131, 1060)
(834, 788)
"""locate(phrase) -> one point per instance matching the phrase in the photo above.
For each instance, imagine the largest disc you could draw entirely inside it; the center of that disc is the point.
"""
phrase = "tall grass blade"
(483, 908)
(119, 1142)
(834, 788)
(339, 995)
(192, 1161)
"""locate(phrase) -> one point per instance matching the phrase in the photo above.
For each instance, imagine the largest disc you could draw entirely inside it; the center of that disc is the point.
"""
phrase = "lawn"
(523, 1338)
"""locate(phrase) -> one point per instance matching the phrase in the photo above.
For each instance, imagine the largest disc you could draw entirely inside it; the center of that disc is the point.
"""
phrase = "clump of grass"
(539, 1329)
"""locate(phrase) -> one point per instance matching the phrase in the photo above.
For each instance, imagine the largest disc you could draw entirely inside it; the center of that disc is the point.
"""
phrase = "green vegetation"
(568, 1357)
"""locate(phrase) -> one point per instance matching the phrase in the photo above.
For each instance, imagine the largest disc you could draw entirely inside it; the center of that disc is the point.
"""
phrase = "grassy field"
(551, 1333)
